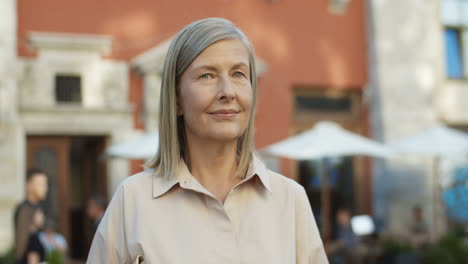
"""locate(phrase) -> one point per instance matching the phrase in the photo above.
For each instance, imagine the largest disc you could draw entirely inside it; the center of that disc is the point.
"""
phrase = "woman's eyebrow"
(214, 68)
(240, 65)
(206, 67)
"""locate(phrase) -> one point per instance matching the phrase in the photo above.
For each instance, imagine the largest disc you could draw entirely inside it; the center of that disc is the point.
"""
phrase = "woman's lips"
(224, 113)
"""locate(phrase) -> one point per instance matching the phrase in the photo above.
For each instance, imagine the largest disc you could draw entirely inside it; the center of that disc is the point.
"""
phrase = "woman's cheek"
(246, 99)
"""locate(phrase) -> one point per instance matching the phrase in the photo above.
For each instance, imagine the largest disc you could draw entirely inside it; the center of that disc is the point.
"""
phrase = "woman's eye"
(205, 76)
(239, 74)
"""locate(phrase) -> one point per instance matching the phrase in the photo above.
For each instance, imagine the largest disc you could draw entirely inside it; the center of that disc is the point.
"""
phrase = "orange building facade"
(303, 44)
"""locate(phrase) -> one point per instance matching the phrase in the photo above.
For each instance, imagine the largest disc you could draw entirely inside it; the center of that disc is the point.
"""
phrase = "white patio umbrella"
(326, 139)
(438, 141)
(143, 147)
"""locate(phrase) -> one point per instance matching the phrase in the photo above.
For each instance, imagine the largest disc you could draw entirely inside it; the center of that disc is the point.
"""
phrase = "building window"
(454, 14)
(453, 54)
(312, 104)
(67, 89)
(323, 103)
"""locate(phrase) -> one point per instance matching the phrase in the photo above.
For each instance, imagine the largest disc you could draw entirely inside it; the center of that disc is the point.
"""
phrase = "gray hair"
(184, 48)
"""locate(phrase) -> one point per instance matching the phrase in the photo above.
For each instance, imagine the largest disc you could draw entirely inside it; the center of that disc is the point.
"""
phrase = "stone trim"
(152, 60)
(86, 42)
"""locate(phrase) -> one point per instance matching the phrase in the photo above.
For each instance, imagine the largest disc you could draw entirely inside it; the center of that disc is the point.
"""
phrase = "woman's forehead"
(229, 51)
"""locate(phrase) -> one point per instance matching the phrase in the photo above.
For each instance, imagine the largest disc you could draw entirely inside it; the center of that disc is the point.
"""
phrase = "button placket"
(231, 214)
(227, 244)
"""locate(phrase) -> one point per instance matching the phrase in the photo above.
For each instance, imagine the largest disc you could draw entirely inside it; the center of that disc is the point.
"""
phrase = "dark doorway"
(76, 172)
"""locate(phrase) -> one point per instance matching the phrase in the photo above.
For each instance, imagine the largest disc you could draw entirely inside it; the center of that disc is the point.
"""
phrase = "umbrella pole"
(325, 202)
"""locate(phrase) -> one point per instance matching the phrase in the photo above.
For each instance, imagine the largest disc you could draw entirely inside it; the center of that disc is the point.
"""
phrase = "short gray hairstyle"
(185, 47)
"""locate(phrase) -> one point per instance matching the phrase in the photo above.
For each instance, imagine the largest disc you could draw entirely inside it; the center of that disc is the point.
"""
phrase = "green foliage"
(8, 257)
(436, 255)
(451, 249)
(55, 257)
(393, 247)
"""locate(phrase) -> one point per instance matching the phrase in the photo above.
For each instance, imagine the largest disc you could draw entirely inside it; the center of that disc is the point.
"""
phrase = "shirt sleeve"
(309, 246)
(109, 243)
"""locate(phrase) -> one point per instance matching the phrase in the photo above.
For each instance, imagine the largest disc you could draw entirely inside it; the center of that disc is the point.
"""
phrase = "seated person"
(419, 233)
(344, 248)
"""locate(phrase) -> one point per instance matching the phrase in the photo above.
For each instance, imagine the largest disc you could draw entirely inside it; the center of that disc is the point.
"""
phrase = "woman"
(206, 198)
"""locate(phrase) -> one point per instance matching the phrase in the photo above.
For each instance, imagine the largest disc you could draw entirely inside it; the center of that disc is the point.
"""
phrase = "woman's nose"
(226, 89)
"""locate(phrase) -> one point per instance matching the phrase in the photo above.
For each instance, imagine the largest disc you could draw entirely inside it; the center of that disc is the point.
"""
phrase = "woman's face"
(215, 93)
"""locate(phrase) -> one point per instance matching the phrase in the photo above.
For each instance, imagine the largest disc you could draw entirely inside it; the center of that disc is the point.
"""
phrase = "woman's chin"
(227, 135)
(226, 138)
(224, 133)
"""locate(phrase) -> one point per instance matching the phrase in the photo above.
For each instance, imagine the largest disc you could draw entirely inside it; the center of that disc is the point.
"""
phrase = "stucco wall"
(11, 141)
(406, 73)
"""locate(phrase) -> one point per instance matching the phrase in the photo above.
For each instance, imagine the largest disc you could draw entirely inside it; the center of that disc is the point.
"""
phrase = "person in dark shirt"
(95, 210)
(344, 247)
(36, 191)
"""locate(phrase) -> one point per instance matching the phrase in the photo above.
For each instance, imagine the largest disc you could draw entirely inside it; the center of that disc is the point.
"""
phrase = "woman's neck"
(214, 165)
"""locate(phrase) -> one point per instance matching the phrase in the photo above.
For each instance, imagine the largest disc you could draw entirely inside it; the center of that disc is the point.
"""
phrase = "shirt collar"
(257, 168)
(162, 184)
(184, 178)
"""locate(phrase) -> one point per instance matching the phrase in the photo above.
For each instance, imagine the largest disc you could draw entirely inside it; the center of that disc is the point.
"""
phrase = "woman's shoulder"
(139, 183)
(143, 178)
(282, 183)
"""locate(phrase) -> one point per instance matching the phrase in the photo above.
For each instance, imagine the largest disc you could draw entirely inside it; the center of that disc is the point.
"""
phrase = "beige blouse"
(266, 218)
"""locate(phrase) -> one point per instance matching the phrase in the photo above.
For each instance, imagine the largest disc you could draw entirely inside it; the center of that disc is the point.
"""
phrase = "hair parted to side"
(184, 48)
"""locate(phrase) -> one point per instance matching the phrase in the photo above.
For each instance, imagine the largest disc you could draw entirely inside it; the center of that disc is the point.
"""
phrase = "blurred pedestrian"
(345, 233)
(418, 230)
(36, 191)
(95, 211)
(344, 247)
(207, 197)
(51, 239)
(35, 252)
